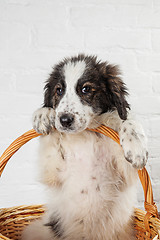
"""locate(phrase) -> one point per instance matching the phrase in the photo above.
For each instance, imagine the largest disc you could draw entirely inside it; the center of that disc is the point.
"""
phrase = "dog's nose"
(66, 120)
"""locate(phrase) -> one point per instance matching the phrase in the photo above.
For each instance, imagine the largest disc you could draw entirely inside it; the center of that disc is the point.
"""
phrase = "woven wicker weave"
(13, 220)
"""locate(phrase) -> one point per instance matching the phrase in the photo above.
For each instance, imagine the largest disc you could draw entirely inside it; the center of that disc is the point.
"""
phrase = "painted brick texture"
(35, 34)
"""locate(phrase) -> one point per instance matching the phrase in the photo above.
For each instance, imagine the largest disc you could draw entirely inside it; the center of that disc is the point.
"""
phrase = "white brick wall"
(35, 34)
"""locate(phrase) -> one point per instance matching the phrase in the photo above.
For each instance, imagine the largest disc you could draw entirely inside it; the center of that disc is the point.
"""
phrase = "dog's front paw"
(134, 144)
(43, 120)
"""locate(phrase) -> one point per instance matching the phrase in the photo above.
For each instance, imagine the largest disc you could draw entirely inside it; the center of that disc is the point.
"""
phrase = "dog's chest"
(80, 163)
(86, 159)
(88, 177)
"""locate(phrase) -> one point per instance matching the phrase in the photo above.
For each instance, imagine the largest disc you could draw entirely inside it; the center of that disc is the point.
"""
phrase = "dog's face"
(81, 88)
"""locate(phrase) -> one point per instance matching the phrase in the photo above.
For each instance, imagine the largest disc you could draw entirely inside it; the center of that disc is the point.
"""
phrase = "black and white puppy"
(92, 179)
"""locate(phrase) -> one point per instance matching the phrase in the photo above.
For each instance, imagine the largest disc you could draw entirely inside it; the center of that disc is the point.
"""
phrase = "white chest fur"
(79, 157)
(89, 178)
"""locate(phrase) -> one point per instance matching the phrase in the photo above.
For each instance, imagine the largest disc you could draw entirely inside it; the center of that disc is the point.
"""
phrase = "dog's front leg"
(134, 143)
(43, 120)
(51, 158)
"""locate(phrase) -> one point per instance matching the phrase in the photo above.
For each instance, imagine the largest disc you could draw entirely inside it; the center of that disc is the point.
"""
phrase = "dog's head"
(81, 88)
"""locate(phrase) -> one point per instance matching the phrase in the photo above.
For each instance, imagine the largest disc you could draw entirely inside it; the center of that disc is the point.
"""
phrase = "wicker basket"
(13, 220)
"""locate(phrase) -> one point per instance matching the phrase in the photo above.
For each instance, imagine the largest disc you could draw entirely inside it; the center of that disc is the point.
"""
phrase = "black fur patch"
(107, 91)
(55, 81)
(55, 226)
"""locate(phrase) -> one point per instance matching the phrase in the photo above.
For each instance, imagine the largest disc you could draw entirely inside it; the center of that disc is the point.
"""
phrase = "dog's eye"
(86, 89)
(59, 91)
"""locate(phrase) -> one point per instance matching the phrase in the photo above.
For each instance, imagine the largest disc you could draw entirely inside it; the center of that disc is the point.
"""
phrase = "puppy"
(91, 178)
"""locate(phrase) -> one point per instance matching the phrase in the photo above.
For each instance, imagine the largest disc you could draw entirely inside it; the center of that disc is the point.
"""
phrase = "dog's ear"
(116, 89)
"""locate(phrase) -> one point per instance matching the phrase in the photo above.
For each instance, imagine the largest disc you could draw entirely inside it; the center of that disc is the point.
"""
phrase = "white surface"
(35, 34)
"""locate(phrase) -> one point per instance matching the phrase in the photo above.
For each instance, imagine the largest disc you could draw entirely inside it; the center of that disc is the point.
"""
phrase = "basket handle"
(149, 204)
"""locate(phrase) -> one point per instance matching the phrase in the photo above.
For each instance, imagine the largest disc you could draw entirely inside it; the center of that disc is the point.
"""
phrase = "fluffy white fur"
(93, 186)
